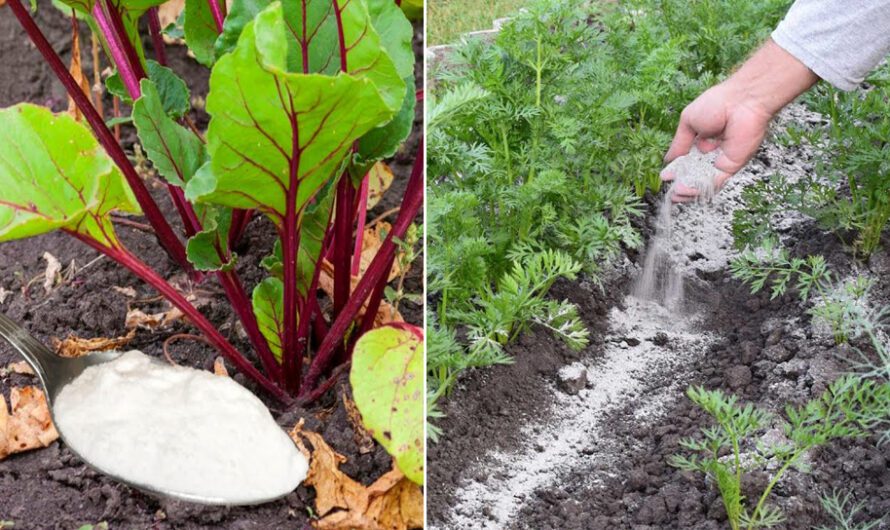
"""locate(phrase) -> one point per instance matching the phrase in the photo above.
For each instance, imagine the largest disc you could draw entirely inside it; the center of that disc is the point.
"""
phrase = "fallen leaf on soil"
(4, 294)
(129, 292)
(380, 178)
(51, 274)
(20, 367)
(77, 73)
(219, 367)
(361, 436)
(29, 425)
(136, 318)
(392, 502)
(385, 314)
(75, 346)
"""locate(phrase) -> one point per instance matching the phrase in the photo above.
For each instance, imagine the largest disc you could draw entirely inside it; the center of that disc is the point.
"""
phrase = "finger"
(681, 198)
(667, 176)
(706, 145)
(684, 190)
(682, 141)
(721, 180)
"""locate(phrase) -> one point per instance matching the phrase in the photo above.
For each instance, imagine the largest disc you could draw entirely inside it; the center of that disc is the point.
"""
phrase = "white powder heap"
(696, 170)
(178, 429)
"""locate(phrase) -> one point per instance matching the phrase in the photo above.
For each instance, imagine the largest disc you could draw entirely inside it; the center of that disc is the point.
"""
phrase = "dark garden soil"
(618, 478)
(50, 488)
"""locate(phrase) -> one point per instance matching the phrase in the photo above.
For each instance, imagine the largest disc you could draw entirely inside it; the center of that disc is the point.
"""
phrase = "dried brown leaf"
(29, 425)
(76, 70)
(75, 346)
(385, 314)
(371, 243)
(20, 367)
(51, 273)
(136, 318)
(391, 503)
(168, 12)
(219, 367)
(4, 428)
(129, 292)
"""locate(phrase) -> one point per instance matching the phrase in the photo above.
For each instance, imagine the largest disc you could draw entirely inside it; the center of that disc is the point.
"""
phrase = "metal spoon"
(55, 372)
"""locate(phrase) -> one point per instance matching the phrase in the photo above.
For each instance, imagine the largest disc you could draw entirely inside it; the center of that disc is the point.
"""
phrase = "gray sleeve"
(840, 40)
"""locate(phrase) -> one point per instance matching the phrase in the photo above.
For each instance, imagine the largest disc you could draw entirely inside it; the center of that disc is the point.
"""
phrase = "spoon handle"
(38, 356)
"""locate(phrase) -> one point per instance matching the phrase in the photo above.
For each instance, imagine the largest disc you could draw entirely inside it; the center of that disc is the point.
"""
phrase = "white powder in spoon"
(178, 429)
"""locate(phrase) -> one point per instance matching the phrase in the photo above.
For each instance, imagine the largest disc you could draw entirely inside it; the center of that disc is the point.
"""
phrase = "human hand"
(735, 114)
(720, 117)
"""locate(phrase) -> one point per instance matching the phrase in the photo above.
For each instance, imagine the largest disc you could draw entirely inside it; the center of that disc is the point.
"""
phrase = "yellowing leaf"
(380, 178)
(29, 426)
(387, 382)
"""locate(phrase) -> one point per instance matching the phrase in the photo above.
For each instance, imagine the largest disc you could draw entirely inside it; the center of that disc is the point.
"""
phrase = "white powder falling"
(660, 281)
(178, 429)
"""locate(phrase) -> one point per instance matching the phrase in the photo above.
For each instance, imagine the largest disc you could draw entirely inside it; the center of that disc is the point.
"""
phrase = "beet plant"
(305, 97)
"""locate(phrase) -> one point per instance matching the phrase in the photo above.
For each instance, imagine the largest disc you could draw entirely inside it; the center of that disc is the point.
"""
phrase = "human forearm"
(770, 79)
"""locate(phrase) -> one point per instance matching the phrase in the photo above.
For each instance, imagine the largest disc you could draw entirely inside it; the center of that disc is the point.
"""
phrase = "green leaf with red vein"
(268, 306)
(200, 30)
(313, 44)
(387, 382)
(54, 175)
(275, 138)
(176, 152)
(312, 231)
(208, 250)
(241, 12)
(384, 141)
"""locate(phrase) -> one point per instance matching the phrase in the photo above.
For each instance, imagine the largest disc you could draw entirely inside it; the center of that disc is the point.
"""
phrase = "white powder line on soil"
(621, 376)
(702, 243)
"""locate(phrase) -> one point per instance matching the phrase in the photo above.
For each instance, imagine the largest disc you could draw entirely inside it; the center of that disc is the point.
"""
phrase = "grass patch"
(447, 20)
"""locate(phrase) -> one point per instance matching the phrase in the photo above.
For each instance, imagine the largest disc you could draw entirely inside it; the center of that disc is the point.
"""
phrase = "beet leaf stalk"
(377, 274)
(157, 40)
(109, 20)
(167, 238)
